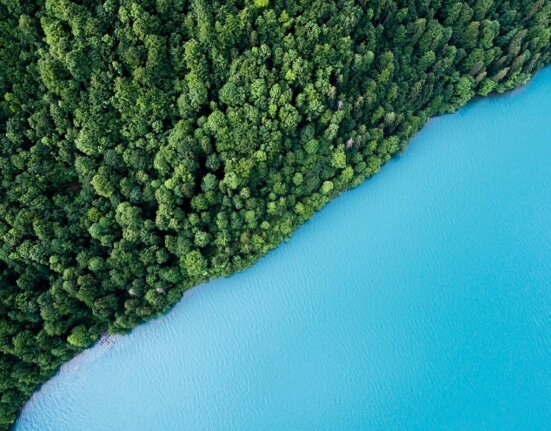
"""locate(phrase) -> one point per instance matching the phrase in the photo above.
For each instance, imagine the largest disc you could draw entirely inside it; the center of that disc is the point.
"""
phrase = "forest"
(147, 146)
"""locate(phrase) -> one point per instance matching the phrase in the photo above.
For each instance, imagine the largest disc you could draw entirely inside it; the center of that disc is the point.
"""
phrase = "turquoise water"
(419, 301)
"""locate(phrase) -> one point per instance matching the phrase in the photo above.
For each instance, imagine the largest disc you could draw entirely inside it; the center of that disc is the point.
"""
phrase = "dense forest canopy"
(149, 145)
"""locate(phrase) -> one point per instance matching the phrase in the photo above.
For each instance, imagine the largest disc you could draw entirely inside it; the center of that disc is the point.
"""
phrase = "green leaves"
(79, 337)
(195, 264)
(338, 160)
(103, 185)
(261, 3)
(327, 187)
(146, 146)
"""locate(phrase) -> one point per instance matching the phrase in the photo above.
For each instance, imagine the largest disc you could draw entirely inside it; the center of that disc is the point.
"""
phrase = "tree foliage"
(149, 145)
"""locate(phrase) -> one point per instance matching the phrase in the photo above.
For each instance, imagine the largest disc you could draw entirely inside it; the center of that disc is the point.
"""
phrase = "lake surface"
(419, 301)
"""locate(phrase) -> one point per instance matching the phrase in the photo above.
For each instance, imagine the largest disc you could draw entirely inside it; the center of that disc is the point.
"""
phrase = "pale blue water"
(419, 301)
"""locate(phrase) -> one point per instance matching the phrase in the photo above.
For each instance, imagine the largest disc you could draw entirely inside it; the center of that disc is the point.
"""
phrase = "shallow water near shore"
(421, 300)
